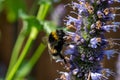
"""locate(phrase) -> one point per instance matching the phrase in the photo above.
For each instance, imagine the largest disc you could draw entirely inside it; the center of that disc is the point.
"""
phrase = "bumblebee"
(55, 45)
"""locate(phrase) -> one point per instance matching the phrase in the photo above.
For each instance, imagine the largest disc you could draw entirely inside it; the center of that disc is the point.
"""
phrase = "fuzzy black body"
(55, 45)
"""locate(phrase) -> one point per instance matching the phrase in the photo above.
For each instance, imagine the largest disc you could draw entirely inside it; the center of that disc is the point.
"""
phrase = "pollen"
(98, 24)
(106, 11)
(71, 27)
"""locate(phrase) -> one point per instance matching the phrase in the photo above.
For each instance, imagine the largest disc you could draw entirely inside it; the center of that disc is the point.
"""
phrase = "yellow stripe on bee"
(55, 35)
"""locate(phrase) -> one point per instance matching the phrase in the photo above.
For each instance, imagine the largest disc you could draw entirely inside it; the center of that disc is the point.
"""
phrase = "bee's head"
(60, 34)
(56, 36)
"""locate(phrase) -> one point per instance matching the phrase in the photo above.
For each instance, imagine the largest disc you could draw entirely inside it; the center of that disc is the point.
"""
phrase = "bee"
(55, 45)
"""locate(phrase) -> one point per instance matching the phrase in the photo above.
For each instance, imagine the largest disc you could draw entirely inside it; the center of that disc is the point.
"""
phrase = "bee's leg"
(62, 57)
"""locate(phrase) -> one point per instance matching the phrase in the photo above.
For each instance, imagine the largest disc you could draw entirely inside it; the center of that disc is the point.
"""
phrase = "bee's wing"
(45, 40)
(49, 51)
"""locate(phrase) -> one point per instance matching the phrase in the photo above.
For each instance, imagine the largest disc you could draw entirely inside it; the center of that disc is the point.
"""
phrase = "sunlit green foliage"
(33, 24)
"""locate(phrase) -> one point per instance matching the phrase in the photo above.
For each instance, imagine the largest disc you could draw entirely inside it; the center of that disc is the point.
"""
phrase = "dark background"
(45, 69)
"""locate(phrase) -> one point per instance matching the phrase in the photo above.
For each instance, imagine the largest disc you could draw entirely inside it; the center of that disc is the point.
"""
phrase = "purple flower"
(94, 42)
(57, 15)
(109, 53)
(117, 0)
(84, 47)
(64, 76)
(74, 21)
(91, 58)
(97, 76)
(76, 5)
(93, 26)
(75, 71)
(110, 27)
(70, 20)
(100, 14)
(82, 57)
(72, 50)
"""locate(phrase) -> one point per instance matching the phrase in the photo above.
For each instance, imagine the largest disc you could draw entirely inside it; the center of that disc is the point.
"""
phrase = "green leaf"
(1, 4)
(49, 26)
(48, 1)
(27, 66)
(30, 21)
(13, 6)
(33, 22)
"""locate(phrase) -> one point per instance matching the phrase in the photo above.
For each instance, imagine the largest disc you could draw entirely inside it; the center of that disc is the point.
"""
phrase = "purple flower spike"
(84, 41)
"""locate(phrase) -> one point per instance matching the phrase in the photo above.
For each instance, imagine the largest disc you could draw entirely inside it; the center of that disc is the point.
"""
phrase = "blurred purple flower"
(57, 15)
(96, 76)
(94, 42)
(72, 50)
(109, 53)
(110, 27)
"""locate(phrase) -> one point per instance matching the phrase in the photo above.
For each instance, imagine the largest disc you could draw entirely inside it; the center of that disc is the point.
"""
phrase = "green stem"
(43, 10)
(23, 54)
(37, 54)
(27, 67)
(41, 15)
(16, 49)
